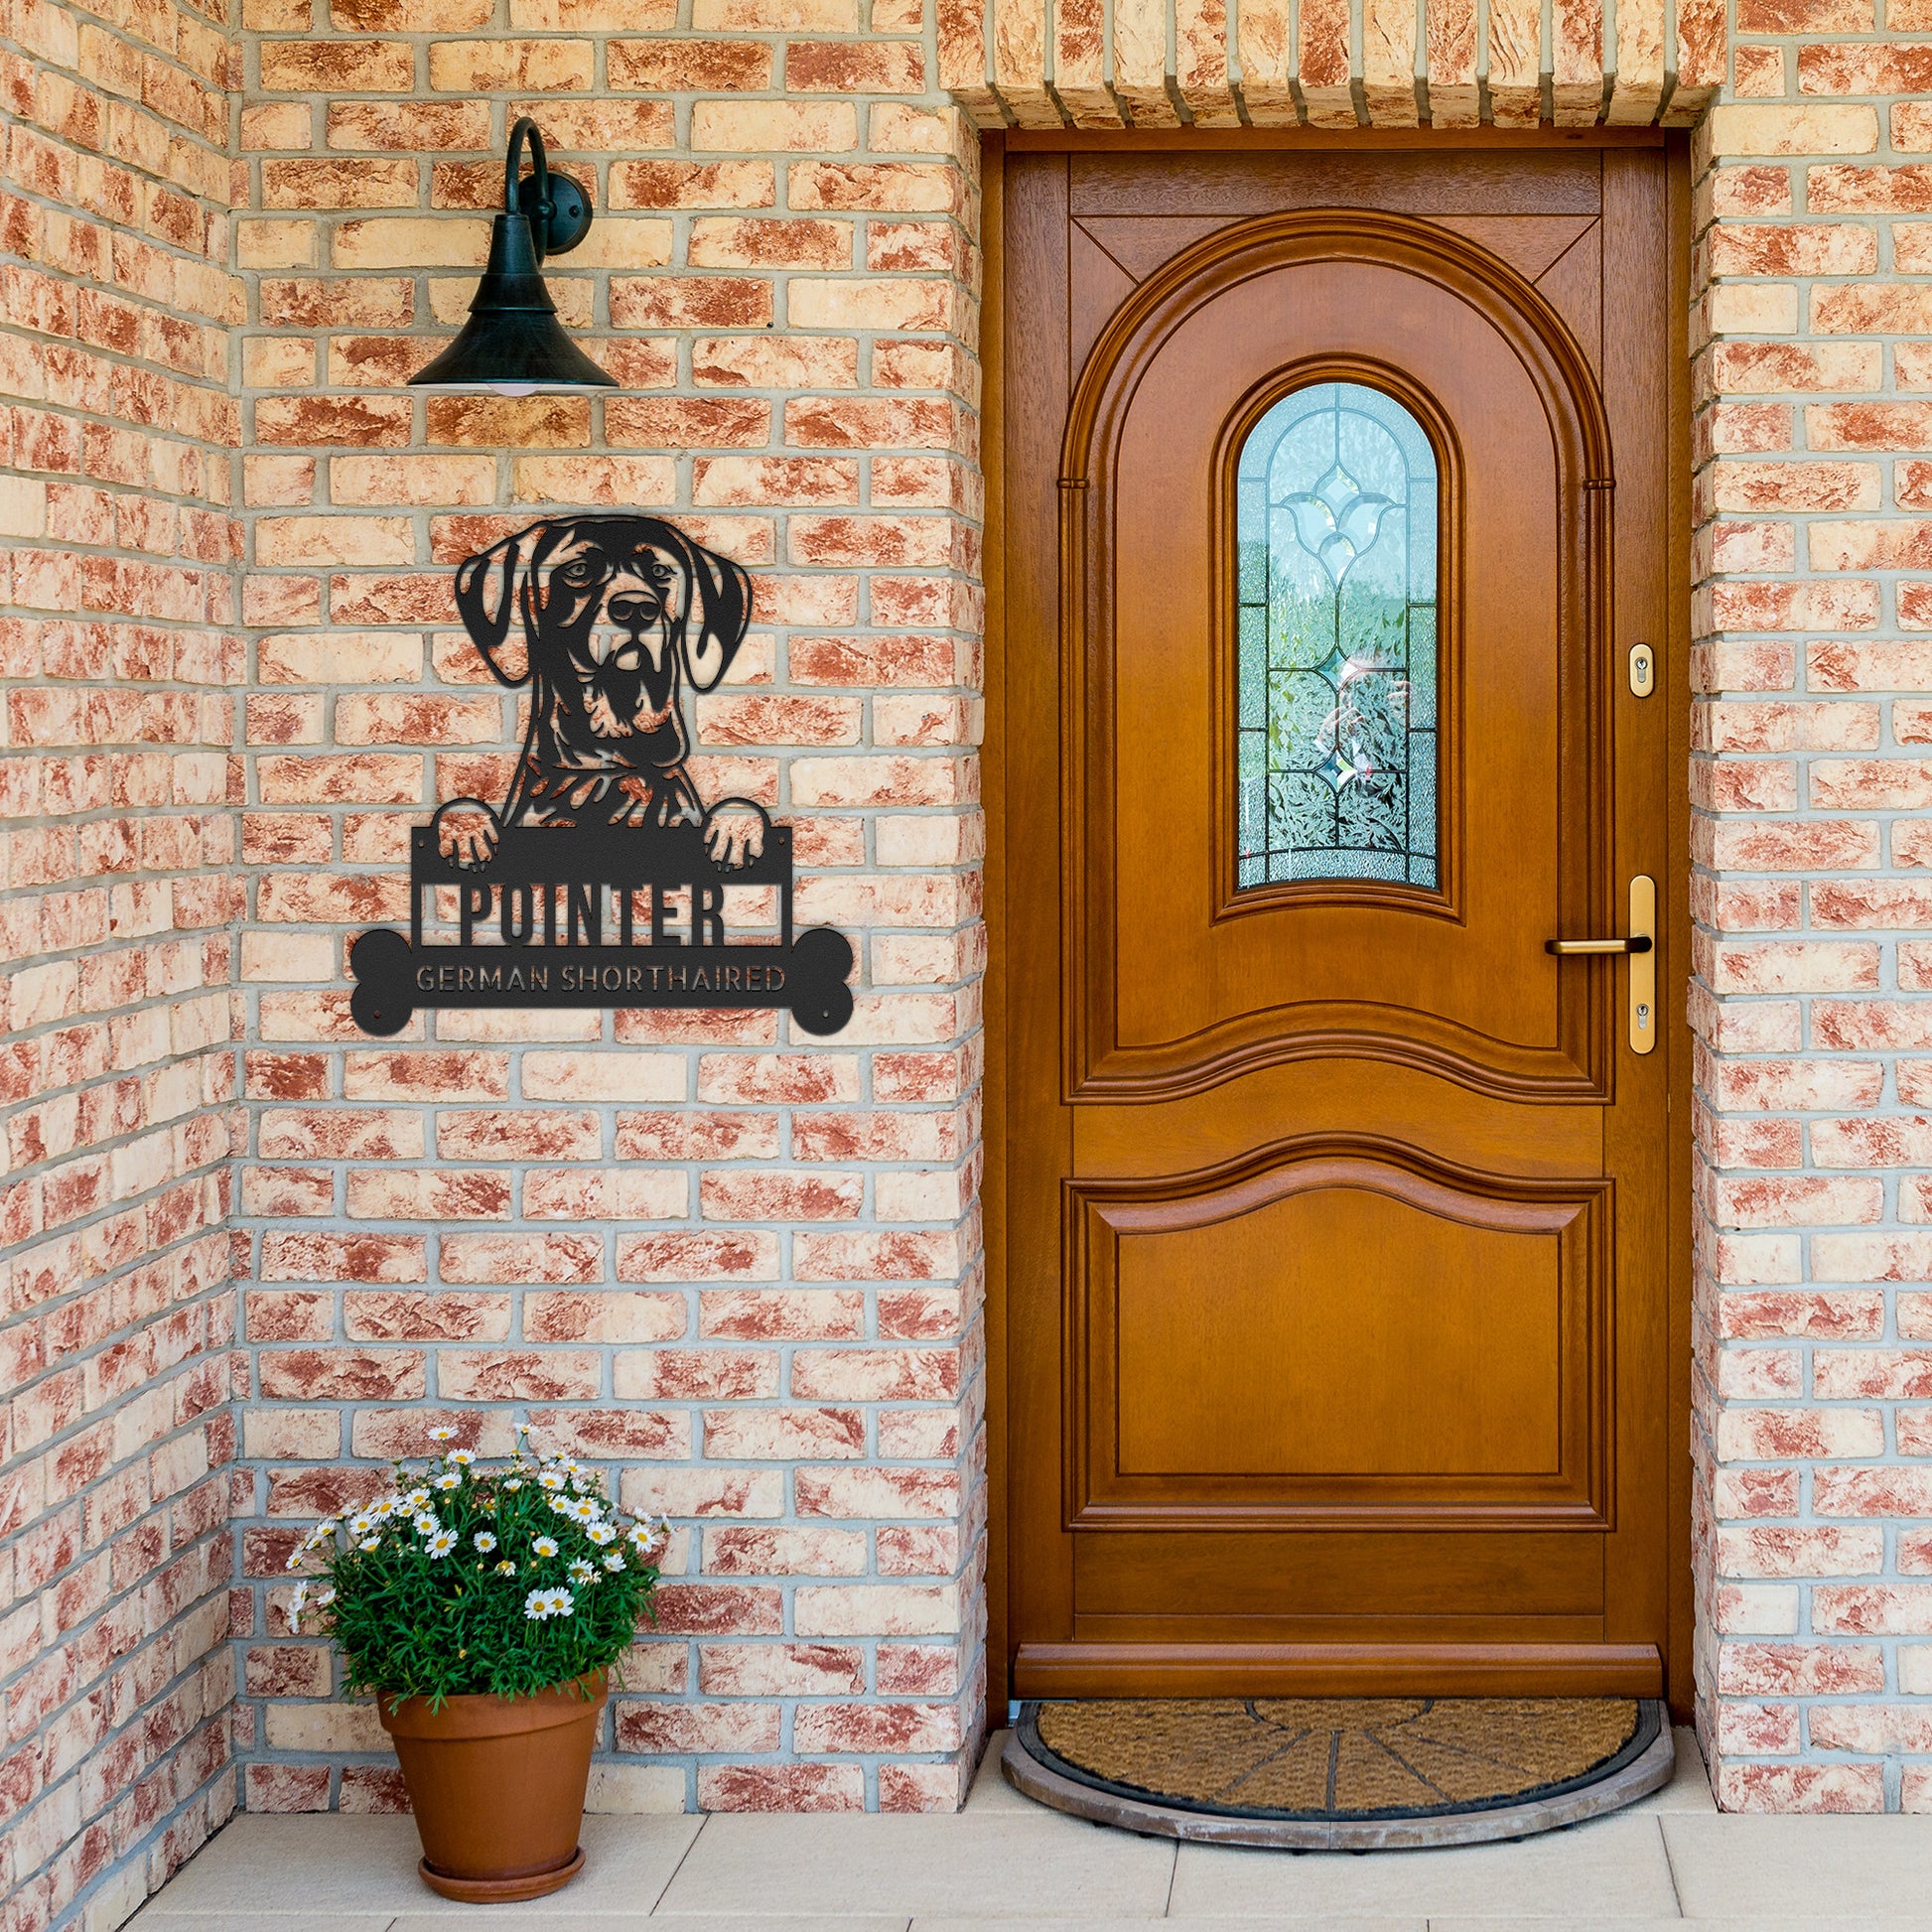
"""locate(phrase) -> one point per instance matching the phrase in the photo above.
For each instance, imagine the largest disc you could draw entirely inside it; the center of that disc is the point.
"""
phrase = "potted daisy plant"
(484, 1606)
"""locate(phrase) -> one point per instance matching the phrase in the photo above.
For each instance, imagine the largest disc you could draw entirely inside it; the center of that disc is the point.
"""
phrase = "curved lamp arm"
(528, 129)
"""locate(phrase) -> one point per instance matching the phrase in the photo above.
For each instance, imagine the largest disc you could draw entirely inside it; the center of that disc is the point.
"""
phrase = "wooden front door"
(1341, 1349)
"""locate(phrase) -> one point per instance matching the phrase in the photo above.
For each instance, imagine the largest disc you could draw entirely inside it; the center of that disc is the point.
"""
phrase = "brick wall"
(739, 1268)
(1811, 781)
(119, 670)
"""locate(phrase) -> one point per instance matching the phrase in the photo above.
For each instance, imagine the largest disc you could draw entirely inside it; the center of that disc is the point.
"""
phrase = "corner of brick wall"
(1810, 784)
(737, 1267)
(119, 676)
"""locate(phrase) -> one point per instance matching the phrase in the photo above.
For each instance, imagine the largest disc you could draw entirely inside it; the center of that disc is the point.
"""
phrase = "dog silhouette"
(606, 618)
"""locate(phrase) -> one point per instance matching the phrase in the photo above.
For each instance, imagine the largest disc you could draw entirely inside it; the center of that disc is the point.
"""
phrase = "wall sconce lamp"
(512, 342)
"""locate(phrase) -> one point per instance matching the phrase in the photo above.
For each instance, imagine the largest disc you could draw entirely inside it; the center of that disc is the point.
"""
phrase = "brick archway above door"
(1111, 63)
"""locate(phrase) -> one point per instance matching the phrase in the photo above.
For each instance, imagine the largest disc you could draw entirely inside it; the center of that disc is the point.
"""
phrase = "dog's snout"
(633, 608)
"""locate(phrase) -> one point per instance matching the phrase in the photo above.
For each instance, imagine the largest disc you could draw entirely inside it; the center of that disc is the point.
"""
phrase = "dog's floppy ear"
(718, 614)
(490, 588)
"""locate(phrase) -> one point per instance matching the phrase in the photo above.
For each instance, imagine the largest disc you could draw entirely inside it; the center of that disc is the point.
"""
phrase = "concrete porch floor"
(1671, 1859)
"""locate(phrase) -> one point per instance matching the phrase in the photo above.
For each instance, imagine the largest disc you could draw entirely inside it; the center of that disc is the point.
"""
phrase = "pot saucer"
(502, 1891)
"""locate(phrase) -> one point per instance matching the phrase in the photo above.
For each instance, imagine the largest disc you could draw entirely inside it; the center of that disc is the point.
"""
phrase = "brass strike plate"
(1643, 670)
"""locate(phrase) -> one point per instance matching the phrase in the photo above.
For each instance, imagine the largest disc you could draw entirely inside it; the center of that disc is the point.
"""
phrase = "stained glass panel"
(1335, 709)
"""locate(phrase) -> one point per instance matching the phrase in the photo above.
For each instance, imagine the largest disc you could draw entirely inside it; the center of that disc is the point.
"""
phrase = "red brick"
(680, 65)
(782, 1787)
(697, 1727)
(339, 1374)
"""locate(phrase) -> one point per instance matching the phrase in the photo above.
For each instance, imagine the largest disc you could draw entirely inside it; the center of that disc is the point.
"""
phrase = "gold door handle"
(1642, 947)
(1569, 948)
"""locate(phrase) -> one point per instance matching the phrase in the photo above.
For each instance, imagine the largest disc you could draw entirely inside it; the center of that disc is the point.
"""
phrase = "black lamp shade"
(514, 342)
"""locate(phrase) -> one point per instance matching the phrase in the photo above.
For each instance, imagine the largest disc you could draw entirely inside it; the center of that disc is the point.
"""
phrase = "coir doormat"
(1342, 1773)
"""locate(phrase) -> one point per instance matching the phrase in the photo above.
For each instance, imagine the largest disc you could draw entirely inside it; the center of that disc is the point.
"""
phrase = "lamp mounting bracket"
(569, 220)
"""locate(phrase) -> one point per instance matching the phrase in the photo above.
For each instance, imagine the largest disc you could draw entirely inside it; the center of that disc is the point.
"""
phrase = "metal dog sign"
(603, 879)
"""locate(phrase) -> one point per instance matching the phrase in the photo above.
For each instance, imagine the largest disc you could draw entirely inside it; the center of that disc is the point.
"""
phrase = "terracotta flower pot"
(497, 1786)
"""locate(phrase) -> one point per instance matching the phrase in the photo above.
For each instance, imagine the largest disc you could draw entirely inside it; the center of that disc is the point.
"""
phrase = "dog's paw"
(603, 720)
(734, 835)
(467, 831)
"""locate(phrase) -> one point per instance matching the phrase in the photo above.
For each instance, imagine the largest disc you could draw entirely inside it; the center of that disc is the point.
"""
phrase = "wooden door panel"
(1337, 1281)
(1330, 943)
(1493, 1134)
(1241, 1354)
(1453, 976)
(1321, 1576)
(1099, 284)
(1560, 253)
(1519, 182)
(1338, 1337)
(1531, 244)
(1573, 285)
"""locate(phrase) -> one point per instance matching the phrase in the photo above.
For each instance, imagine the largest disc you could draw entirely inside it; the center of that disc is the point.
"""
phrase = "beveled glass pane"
(1336, 674)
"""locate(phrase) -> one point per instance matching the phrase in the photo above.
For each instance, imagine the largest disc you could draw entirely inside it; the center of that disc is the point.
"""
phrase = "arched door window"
(1336, 528)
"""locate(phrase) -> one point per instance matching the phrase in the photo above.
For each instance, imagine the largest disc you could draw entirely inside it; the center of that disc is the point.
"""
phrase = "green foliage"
(509, 1578)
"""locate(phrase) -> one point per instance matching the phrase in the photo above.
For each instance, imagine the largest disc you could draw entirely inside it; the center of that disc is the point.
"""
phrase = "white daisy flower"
(416, 1499)
(601, 1533)
(506, 1568)
(370, 1543)
(426, 1523)
(361, 1523)
(442, 1543)
(614, 1560)
(450, 1480)
(485, 1541)
(325, 1596)
(442, 1434)
(538, 1605)
(546, 1546)
(551, 1480)
(387, 1507)
(584, 1510)
(461, 1457)
(582, 1572)
(515, 1482)
(295, 1559)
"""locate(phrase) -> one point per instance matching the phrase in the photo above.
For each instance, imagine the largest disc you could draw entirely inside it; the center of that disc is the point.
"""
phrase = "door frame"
(1675, 689)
